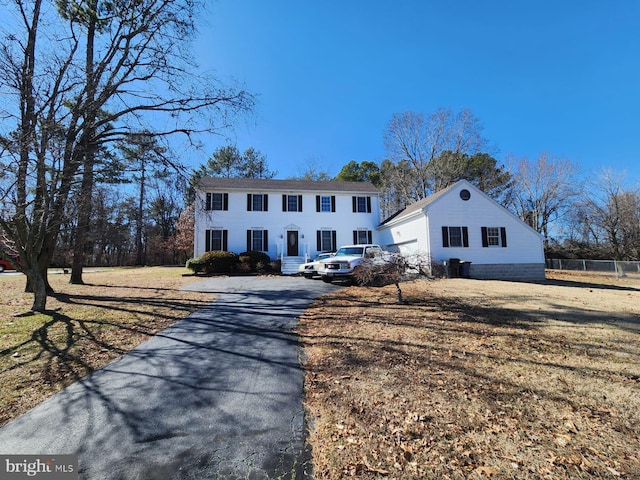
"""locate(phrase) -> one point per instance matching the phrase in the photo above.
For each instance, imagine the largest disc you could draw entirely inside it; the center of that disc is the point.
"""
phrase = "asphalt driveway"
(218, 395)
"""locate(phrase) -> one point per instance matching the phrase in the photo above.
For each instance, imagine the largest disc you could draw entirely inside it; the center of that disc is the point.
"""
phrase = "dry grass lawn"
(476, 379)
(85, 327)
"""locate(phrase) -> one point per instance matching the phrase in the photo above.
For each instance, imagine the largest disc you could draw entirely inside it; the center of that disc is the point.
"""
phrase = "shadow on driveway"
(218, 395)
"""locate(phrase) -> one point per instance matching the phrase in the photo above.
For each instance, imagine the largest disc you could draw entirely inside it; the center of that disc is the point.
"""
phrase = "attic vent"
(465, 194)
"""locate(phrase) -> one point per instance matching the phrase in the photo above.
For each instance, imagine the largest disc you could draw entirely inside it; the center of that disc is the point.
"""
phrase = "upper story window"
(494, 236)
(257, 202)
(455, 237)
(217, 201)
(361, 204)
(325, 203)
(291, 203)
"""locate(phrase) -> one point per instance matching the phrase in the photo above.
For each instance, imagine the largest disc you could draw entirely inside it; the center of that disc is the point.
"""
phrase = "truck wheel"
(326, 279)
(1, 268)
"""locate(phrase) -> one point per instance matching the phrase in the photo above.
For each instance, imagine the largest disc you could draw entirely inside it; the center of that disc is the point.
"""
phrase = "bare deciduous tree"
(542, 190)
(414, 141)
(99, 71)
(608, 215)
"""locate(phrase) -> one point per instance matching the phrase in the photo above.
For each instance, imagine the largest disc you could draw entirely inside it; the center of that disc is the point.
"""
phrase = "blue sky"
(548, 76)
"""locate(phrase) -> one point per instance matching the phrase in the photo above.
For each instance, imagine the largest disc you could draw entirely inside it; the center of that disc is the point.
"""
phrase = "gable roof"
(420, 204)
(221, 183)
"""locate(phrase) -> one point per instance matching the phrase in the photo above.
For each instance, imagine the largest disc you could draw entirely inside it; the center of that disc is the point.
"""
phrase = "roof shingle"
(262, 184)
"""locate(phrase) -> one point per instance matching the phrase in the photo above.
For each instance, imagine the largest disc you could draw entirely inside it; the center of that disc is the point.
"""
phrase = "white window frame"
(493, 237)
(257, 238)
(326, 241)
(292, 203)
(325, 203)
(217, 232)
(257, 200)
(459, 239)
(363, 235)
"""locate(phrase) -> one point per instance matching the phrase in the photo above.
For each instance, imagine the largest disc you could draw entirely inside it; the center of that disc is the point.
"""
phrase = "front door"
(292, 243)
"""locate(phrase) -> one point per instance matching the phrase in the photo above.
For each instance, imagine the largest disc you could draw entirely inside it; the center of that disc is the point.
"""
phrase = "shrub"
(254, 262)
(380, 272)
(219, 262)
(196, 265)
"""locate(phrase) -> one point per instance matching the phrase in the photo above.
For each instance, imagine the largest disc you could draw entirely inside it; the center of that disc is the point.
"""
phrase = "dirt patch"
(84, 328)
(475, 379)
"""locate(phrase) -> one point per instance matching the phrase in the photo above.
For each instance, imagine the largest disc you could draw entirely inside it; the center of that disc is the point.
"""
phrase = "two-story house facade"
(294, 219)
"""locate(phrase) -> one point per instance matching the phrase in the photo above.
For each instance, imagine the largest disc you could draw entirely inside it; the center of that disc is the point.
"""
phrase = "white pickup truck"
(346, 259)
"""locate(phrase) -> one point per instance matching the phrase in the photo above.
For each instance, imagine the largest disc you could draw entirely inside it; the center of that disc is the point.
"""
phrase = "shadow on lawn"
(191, 394)
(452, 316)
(64, 349)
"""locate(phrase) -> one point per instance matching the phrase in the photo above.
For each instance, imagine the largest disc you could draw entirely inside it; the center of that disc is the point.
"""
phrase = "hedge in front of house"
(215, 262)
(254, 261)
(196, 265)
(229, 262)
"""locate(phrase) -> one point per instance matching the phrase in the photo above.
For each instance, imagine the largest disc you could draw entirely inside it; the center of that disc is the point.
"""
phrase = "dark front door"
(292, 243)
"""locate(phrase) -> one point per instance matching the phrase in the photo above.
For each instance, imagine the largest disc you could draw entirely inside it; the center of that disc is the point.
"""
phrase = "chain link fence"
(614, 267)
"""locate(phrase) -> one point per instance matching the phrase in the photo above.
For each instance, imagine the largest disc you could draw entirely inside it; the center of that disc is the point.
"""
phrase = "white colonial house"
(462, 222)
(290, 220)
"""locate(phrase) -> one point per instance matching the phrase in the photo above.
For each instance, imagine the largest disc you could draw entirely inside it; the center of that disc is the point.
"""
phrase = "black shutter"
(333, 203)
(265, 240)
(299, 203)
(265, 202)
(465, 237)
(355, 237)
(248, 202)
(225, 200)
(445, 236)
(284, 203)
(485, 239)
(225, 238)
(207, 240)
(207, 205)
(369, 237)
(354, 204)
(317, 203)
(319, 240)
(369, 206)
(333, 240)
(503, 236)
(249, 241)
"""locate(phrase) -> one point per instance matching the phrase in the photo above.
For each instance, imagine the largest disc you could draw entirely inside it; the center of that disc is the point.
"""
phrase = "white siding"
(408, 237)
(423, 228)
(524, 245)
(237, 220)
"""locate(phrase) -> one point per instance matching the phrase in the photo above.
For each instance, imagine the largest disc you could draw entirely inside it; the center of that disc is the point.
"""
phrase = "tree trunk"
(38, 286)
(89, 147)
(140, 257)
(84, 213)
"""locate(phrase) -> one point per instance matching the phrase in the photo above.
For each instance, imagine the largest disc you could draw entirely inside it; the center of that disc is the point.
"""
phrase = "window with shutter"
(326, 240)
(257, 240)
(362, 235)
(494, 236)
(455, 237)
(216, 239)
(362, 204)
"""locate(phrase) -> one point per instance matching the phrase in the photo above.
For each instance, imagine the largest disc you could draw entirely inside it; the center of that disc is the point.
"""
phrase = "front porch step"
(290, 265)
